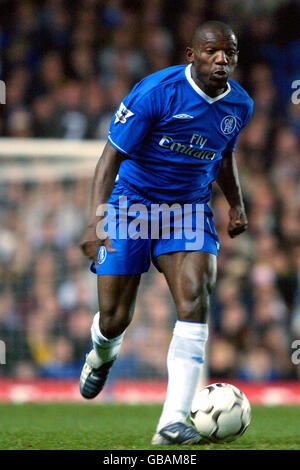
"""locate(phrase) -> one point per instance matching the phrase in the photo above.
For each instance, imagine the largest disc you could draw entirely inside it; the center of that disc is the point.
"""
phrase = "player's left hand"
(238, 222)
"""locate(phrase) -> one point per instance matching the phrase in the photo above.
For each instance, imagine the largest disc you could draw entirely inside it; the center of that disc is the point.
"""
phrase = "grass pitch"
(118, 427)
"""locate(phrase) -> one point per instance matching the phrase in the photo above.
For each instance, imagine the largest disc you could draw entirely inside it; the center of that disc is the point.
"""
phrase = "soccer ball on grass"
(220, 413)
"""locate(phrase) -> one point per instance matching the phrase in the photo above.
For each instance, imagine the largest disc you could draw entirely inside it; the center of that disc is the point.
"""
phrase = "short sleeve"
(233, 142)
(134, 118)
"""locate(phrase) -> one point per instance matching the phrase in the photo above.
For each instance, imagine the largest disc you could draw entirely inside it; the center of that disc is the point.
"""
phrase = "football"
(220, 413)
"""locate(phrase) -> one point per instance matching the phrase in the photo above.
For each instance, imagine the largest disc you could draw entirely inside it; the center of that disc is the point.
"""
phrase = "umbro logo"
(183, 116)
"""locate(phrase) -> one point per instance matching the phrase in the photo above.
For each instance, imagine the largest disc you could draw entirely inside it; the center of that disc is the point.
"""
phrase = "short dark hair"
(212, 25)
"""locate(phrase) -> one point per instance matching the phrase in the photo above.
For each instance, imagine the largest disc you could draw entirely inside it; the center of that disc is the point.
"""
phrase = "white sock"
(185, 361)
(106, 349)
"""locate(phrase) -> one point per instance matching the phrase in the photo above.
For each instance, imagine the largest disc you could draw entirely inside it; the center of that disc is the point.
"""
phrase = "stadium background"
(67, 66)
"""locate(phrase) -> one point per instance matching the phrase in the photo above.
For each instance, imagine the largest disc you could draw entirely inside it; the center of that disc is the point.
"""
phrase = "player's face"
(214, 57)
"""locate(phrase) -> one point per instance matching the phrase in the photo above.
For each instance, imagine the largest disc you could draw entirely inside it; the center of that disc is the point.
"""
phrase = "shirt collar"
(209, 99)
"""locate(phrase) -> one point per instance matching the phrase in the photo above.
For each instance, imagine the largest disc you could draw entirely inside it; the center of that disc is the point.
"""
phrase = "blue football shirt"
(173, 135)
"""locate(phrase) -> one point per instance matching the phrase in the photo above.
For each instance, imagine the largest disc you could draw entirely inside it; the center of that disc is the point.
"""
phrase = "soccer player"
(172, 136)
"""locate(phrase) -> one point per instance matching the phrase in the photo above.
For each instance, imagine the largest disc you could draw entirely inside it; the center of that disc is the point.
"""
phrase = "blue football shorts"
(141, 230)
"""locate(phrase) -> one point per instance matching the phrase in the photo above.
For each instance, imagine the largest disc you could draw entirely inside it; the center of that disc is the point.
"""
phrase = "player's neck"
(209, 91)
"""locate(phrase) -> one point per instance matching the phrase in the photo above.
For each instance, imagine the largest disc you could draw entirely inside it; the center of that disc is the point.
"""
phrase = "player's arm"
(103, 183)
(228, 181)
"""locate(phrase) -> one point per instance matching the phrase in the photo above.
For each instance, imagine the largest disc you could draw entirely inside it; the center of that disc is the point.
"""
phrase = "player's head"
(214, 54)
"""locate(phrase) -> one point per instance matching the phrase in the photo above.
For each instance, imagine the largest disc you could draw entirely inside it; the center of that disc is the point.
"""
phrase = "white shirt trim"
(209, 99)
(116, 146)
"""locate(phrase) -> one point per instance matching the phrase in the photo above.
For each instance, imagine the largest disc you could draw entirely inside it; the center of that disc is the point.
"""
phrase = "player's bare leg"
(191, 277)
(117, 296)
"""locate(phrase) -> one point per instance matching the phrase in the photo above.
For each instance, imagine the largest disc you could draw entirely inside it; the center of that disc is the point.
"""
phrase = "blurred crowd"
(67, 66)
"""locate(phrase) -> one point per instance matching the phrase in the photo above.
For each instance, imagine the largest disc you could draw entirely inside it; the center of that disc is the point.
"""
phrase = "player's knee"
(195, 310)
(195, 305)
(113, 323)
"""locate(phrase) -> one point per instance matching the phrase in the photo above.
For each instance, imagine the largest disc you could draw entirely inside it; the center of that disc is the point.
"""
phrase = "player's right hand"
(90, 243)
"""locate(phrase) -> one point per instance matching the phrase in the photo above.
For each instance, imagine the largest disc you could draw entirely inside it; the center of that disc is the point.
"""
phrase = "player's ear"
(189, 52)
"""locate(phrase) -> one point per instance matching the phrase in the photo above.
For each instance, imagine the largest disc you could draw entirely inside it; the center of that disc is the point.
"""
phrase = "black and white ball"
(220, 412)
